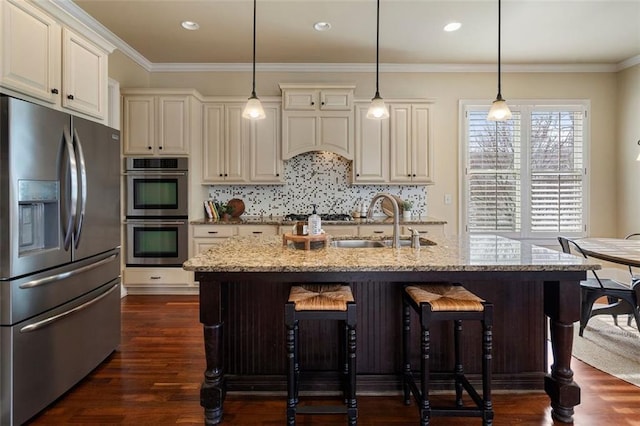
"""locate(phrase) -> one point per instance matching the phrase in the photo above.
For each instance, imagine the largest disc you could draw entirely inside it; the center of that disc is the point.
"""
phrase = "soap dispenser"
(315, 227)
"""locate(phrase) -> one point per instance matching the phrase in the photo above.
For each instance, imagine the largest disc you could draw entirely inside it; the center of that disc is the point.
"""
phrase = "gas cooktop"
(335, 217)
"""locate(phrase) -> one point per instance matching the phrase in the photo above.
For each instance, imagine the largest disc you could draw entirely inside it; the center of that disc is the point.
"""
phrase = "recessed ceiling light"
(322, 26)
(452, 26)
(190, 25)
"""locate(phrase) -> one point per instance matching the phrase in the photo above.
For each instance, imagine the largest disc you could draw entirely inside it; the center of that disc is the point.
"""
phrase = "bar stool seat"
(321, 302)
(447, 302)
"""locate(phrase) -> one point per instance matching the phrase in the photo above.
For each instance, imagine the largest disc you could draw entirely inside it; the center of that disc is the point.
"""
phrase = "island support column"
(562, 306)
(212, 391)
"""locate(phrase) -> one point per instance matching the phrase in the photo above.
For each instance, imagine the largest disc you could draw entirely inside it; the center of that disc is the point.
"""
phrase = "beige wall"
(447, 89)
(628, 171)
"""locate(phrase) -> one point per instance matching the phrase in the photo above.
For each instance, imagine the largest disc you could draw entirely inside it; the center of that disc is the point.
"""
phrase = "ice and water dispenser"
(38, 215)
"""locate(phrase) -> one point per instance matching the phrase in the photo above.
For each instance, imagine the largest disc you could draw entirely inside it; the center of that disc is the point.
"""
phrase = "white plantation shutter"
(556, 171)
(493, 174)
(526, 177)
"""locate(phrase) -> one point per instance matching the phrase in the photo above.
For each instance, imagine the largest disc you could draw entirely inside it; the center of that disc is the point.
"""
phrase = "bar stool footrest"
(321, 409)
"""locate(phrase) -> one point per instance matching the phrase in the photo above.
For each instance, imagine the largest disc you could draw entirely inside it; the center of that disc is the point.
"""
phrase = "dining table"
(616, 250)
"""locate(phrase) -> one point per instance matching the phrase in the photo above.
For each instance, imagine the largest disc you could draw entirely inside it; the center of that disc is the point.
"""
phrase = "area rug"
(610, 348)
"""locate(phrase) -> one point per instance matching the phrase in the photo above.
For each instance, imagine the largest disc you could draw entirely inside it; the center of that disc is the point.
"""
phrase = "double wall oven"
(157, 211)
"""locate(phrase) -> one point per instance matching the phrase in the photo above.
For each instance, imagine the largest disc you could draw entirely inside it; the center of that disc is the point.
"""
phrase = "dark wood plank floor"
(154, 379)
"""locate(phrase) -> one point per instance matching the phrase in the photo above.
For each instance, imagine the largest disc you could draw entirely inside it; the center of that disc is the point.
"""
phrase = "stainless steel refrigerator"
(59, 253)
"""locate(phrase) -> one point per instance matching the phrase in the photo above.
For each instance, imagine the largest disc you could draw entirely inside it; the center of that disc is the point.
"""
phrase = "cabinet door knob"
(70, 97)
(159, 147)
(357, 174)
(409, 175)
(322, 102)
(277, 174)
(54, 91)
(313, 103)
(220, 174)
(149, 147)
(225, 175)
(414, 175)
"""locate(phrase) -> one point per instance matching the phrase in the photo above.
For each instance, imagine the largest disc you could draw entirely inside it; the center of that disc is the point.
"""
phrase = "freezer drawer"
(23, 298)
(45, 356)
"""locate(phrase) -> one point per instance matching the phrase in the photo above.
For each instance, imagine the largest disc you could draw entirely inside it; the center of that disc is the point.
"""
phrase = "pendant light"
(499, 109)
(377, 110)
(253, 110)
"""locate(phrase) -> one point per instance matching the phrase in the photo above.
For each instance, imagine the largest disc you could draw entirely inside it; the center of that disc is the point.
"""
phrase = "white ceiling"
(534, 32)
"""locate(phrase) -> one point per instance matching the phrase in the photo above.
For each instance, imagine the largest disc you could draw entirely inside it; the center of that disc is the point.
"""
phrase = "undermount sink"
(357, 244)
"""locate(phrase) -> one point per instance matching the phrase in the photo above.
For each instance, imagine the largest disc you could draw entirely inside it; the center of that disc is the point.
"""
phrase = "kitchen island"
(244, 283)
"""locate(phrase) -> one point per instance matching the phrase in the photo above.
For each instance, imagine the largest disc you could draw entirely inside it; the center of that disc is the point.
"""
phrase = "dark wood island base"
(242, 312)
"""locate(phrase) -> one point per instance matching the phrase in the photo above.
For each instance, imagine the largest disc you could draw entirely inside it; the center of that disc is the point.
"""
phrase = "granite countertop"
(280, 220)
(476, 253)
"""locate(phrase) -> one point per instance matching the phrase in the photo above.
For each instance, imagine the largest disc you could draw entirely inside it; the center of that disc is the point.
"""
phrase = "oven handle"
(153, 222)
(65, 275)
(158, 173)
(45, 322)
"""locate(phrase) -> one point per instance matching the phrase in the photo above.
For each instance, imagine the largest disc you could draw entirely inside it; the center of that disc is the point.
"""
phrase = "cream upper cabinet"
(238, 150)
(265, 156)
(225, 143)
(50, 63)
(85, 75)
(156, 124)
(371, 159)
(27, 29)
(317, 118)
(410, 141)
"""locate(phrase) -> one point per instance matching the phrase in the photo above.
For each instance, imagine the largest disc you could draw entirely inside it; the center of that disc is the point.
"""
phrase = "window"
(526, 177)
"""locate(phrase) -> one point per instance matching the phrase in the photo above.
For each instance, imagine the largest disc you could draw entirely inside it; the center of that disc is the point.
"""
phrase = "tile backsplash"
(318, 177)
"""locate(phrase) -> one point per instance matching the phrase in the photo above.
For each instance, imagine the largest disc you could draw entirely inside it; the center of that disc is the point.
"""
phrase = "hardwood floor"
(154, 379)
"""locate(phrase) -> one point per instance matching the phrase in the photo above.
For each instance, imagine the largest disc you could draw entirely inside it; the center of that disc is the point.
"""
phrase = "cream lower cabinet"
(207, 236)
(340, 229)
(42, 59)
(157, 123)
(158, 281)
(375, 230)
(424, 230)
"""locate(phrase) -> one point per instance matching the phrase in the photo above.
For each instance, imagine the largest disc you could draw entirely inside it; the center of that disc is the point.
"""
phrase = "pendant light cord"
(377, 95)
(253, 91)
(499, 48)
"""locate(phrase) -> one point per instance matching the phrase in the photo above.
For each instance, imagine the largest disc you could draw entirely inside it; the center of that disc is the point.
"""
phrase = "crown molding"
(628, 63)
(384, 68)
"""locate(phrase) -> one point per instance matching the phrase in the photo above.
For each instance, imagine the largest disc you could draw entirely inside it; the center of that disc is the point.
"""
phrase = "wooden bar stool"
(447, 302)
(321, 302)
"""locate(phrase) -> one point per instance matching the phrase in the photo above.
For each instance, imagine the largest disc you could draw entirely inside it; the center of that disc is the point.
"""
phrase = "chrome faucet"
(396, 215)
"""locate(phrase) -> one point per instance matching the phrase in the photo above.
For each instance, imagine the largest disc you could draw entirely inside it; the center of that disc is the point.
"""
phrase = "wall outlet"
(447, 198)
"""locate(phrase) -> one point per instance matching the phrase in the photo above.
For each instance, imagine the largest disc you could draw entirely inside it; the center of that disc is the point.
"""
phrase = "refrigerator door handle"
(82, 169)
(45, 322)
(74, 188)
(64, 275)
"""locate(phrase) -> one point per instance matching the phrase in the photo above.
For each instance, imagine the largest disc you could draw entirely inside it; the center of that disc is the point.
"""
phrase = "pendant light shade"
(377, 110)
(499, 109)
(253, 110)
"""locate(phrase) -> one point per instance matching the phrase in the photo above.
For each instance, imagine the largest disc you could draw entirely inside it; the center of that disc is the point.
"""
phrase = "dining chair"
(635, 277)
(592, 289)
